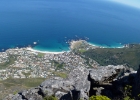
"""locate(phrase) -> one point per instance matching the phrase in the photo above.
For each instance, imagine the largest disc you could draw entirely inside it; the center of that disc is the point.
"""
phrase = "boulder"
(102, 74)
(75, 86)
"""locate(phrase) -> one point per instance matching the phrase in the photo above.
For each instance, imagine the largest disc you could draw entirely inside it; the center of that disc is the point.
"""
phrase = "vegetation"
(61, 74)
(127, 98)
(127, 90)
(82, 50)
(115, 56)
(50, 98)
(99, 97)
(31, 82)
(40, 55)
(127, 93)
(138, 95)
(12, 86)
(26, 74)
(11, 61)
(58, 65)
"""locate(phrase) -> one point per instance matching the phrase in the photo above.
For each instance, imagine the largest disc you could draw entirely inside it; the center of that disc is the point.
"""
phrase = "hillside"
(113, 56)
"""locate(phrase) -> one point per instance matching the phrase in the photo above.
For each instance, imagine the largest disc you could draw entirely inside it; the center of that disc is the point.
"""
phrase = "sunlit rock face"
(101, 74)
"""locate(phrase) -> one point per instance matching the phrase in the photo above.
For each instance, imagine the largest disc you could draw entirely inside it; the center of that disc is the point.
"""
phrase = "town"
(24, 63)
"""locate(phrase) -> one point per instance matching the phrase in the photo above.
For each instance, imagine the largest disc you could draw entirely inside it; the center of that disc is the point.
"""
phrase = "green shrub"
(127, 98)
(127, 91)
(99, 97)
(50, 98)
(139, 95)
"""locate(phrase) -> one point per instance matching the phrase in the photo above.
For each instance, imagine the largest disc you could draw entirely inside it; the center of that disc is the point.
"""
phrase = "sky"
(133, 3)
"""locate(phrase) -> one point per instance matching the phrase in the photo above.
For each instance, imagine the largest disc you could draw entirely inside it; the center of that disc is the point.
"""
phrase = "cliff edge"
(83, 83)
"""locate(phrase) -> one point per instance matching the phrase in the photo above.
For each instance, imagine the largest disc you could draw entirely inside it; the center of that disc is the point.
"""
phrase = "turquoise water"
(114, 45)
(52, 23)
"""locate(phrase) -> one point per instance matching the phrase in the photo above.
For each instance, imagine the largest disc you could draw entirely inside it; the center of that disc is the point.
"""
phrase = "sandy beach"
(33, 50)
(73, 44)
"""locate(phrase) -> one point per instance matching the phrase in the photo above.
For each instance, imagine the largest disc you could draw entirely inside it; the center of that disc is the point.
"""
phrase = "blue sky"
(134, 3)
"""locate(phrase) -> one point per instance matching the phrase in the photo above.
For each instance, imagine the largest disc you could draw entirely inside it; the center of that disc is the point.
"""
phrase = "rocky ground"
(83, 83)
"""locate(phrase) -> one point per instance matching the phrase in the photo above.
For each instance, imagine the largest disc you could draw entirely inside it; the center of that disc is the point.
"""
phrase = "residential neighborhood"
(24, 63)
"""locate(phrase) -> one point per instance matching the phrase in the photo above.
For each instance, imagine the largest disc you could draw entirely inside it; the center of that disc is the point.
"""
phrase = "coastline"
(101, 46)
(51, 52)
(39, 51)
(69, 49)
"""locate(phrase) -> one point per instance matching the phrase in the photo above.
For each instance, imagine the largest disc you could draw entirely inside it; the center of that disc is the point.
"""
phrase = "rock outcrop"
(80, 84)
(136, 86)
(104, 74)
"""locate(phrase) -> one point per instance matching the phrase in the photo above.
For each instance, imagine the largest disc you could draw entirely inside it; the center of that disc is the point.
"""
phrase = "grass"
(61, 74)
(11, 61)
(6, 84)
(31, 82)
(82, 50)
(40, 55)
(26, 74)
(12, 86)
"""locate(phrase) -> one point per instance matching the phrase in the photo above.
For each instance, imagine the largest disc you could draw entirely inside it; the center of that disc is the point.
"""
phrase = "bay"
(52, 23)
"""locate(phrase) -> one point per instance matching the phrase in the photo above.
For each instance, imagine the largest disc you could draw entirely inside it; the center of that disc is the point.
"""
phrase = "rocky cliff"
(83, 83)
(136, 86)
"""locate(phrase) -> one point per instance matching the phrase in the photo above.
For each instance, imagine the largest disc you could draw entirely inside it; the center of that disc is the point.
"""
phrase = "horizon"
(132, 3)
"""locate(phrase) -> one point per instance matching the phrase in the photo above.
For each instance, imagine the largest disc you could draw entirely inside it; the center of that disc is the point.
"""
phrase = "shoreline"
(39, 51)
(60, 52)
(100, 46)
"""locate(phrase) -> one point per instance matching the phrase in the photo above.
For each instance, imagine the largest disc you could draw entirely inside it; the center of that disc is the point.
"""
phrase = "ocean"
(52, 23)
